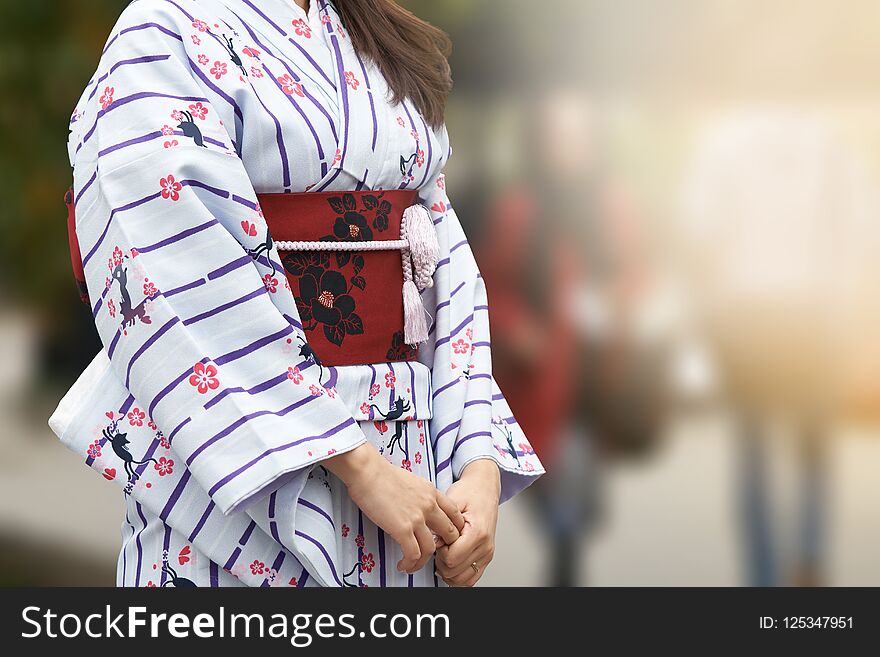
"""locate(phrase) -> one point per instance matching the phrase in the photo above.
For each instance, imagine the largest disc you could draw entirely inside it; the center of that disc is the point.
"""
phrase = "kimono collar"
(328, 59)
(360, 152)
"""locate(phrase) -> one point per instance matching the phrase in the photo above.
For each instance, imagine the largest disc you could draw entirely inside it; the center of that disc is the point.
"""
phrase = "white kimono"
(201, 406)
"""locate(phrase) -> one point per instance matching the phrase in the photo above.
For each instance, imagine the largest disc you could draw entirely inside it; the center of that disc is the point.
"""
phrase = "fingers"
(440, 523)
(454, 561)
(462, 571)
(464, 574)
(456, 554)
(411, 549)
(426, 543)
(451, 510)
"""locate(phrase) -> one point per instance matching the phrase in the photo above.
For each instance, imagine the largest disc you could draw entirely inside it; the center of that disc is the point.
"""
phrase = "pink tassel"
(423, 245)
(415, 326)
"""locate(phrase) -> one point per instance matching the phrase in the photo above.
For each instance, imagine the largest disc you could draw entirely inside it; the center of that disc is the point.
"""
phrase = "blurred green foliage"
(48, 51)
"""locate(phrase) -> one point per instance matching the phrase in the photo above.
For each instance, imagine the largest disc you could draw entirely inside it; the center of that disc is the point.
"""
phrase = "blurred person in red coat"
(543, 240)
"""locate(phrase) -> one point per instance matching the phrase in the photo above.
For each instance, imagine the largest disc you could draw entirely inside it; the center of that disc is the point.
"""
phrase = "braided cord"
(375, 245)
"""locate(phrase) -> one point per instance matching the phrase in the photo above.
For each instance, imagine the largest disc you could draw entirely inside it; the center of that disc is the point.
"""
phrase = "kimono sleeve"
(195, 318)
(471, 418)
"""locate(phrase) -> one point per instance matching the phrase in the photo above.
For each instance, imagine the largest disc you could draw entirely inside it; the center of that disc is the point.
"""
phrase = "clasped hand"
(459, 526)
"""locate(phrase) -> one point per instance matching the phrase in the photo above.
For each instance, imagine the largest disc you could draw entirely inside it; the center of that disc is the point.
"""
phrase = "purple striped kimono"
(201, 405)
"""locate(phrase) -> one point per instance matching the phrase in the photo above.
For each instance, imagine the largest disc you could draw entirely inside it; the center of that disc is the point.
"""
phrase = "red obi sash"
(349, 299)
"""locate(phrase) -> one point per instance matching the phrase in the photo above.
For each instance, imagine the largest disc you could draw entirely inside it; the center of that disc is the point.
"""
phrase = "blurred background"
(675, 207)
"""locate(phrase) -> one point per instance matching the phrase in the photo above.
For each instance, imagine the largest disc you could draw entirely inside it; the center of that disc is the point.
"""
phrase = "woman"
(239, 400)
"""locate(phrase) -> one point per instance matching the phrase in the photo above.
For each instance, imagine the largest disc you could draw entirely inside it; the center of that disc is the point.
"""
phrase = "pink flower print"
(374, 389)
(302, 28)
(258, 567)
(195, 39)
(163, 441)
(351, 80)
(368, 563)
(294, 375)
(315, 390)
(94, 450)
(136, 417)
(345, 530)
(251, 52)
(340, 31)
(170, 188)
(203, 59)
(290, 86)
(420, 158)
(149, 287)
(256, 72)
(201, 26)
(330, 452)
(198, 110)
(325, 19)
(359, 541)
(400, 121)
(111, 306)
(529, 467)
(460, 346)
(220, 69)
(418, 457)
(117, 256)
(177, 115)
(470, 333)
(271, 283)
(165, 466)
(292, 581)
(365, 409)
(406, 465)
(414, 133)
(171, 144)
(338, 156)
(167, 130)
(441, 181)
(107, 98)
(421, 440)
(381, 426)
(419, 424)
(390, 379)
(150, 585)
(204, 377)
(331, 392)
(526, 448)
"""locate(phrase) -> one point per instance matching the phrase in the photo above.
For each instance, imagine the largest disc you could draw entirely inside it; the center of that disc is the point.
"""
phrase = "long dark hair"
(411, 53)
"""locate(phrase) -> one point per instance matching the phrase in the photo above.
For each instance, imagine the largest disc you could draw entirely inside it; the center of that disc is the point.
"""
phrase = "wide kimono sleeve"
(196, 319)
(471, 418)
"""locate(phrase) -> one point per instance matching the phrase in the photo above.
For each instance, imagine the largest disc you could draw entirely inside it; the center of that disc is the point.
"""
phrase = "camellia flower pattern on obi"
(349, 300)
(209, 405)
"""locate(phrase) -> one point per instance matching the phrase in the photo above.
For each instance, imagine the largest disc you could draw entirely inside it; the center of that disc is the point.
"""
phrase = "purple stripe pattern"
(202, 406)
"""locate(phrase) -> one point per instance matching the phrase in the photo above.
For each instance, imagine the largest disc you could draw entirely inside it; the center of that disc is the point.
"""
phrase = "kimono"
(201, 404)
